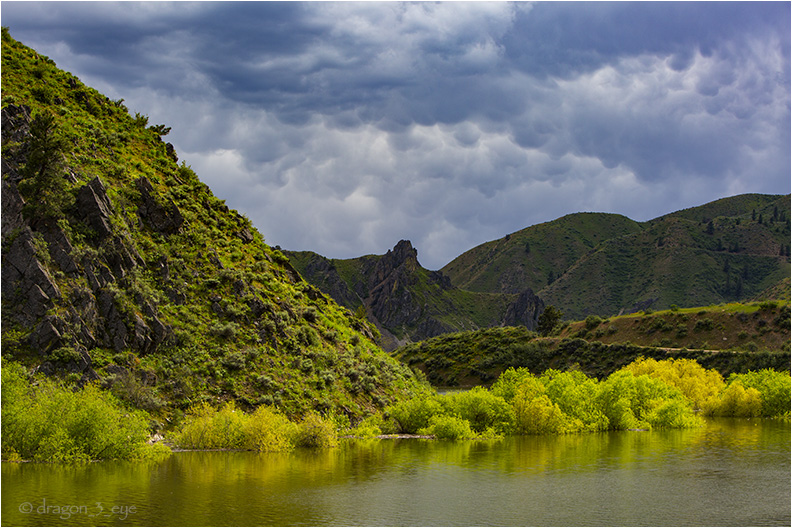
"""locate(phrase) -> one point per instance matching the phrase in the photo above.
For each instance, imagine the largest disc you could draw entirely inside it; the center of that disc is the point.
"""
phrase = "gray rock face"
(94, 207)
(26, 283)
(166, 219)
(524, 311)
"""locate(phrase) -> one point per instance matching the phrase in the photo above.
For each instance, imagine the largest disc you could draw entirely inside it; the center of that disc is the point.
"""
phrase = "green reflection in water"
(732, 472)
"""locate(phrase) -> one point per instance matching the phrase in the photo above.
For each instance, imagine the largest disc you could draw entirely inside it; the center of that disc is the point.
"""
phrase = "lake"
(729, 473)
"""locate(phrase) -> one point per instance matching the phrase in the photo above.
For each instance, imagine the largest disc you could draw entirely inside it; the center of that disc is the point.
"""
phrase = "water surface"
(729, 473)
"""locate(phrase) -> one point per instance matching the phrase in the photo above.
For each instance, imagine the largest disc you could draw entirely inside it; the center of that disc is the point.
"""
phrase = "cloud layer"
(344, 127)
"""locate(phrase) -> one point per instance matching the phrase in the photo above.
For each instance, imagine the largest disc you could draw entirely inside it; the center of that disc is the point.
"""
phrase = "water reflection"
(729, 473)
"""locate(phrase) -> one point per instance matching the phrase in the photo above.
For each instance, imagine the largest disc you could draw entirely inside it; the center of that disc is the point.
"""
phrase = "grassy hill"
(120, 267)
(535, 256)
(730, 338)
(590, 263)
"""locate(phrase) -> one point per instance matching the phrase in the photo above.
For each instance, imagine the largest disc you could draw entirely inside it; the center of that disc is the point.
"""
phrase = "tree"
(44, 185)
(549, 318)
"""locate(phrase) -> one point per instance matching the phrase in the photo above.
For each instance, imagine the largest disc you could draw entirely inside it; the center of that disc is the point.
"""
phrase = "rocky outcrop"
(94, 207)
(524, 311)
(26, 283)
(166, 219)
(37, 250)
(405, 301)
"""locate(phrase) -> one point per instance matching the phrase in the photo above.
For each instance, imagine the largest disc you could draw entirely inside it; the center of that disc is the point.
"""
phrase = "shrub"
(509, 381)
(315, 431)
(368, 428)
(696, 383)
(48, 422)
(576, 396)
(480, 408)
(446, 427)
(535, 414)
(773, 387)
(592, 322)
(206, 428)
(268, 430)
(414, 414)
(737, 401)
(703, 325)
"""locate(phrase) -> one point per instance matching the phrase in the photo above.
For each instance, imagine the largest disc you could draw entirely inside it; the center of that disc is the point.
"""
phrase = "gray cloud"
(344, 127)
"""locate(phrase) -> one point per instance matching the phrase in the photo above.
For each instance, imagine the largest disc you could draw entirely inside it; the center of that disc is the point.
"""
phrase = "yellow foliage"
(736, 401)
(695, 382)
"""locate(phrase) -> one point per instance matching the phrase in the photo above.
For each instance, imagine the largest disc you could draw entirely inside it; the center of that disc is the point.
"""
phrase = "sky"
(342, 128)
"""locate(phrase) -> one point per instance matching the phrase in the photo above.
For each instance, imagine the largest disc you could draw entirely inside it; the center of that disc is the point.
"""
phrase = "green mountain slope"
(408, 302)
(587, 263)
(536, 255)
(119, 266)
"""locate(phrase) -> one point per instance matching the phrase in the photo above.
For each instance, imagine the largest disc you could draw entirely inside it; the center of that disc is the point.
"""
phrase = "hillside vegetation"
(121, 268)
(732, 338)
(590, 263)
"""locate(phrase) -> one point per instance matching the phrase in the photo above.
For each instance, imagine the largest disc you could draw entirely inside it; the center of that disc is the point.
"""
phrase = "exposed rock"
(12, 203)
(166, 219)
(16, 123)
(171, 152)
(48, 335)
(245, 235)
(525, 310)
(25, 281)
(94, 207)
(60, 248)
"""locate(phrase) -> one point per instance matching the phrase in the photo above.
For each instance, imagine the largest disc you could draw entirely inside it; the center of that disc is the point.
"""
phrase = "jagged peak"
(403, 251)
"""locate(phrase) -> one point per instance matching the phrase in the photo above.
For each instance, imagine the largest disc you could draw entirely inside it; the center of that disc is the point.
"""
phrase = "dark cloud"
(446, 123)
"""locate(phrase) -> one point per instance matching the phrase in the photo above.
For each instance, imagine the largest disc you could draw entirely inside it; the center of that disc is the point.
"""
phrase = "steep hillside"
(588, 263)
(407, 302)
(119, 266)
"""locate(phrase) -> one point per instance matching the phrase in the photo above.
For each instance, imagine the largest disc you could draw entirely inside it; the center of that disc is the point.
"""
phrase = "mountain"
(593, 263)
(408, 302)
(120, 267)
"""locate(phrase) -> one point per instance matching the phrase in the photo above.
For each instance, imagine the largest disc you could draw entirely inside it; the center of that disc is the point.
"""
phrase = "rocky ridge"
(409, 303)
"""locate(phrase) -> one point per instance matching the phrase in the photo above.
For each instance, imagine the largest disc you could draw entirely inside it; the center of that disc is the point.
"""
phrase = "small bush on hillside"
(592, 322)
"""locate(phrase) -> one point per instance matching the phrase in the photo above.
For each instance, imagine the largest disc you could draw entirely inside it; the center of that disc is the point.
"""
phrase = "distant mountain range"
(732, 249)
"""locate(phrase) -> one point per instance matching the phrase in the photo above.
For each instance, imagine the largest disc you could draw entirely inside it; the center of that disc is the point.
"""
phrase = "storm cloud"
(345, 127)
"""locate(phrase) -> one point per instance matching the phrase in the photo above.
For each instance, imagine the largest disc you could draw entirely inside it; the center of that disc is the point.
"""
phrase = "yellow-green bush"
(45, 421)
(736, 401)
(315, 431)
(205, 428)
(268, 430)
(696, 383)
(447, 427)
(480, 408)
(774, 387)
(414, 414)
